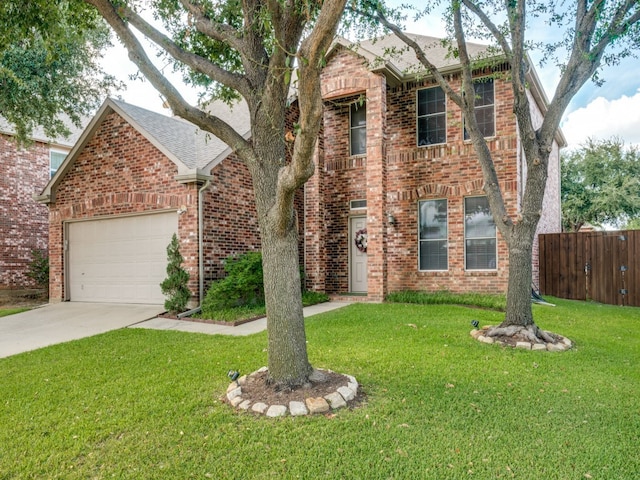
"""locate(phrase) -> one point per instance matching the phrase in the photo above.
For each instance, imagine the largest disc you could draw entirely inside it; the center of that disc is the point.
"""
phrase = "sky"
(598, 112)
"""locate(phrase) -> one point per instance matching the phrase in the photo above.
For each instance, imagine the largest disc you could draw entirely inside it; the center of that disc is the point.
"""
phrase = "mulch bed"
(257, 389)
(234, 323)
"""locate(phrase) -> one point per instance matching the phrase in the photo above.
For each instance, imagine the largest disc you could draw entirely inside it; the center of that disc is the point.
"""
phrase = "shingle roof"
(390, 52)
(38, 134)
(185, 142)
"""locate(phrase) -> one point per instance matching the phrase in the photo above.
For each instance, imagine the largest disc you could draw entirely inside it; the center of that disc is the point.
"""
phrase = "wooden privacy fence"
(600, 266)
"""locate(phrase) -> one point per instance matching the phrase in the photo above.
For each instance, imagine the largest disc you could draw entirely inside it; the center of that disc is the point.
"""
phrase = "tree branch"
(422, 58)
(310, 63)
(491, 183)
(216, 30)
(178, 104)
(196, 62)
(495, 31)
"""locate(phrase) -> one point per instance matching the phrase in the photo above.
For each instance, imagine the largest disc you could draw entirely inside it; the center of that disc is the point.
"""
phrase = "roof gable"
(191, 149)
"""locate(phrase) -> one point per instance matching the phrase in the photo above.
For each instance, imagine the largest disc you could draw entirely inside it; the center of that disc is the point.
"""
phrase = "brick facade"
(120, 172)
(394, 175)
(23, 221)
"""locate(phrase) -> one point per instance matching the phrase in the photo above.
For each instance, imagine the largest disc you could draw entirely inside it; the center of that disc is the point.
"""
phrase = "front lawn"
(11, 311)
(143, 404)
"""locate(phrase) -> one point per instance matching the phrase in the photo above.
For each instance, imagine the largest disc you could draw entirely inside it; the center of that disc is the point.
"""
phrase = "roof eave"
(193, 176)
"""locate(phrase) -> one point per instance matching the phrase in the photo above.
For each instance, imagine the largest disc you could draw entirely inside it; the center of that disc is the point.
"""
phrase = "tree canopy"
(49, 65)
(600, 185)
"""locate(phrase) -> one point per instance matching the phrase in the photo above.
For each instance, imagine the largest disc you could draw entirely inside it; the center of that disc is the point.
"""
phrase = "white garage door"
(119, 260)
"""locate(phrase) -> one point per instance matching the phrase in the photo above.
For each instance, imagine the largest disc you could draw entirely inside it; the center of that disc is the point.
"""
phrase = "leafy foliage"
(241, 293)
(243, 285)
(174, 287)
(49, 65)
(39, 268)
(600, 184)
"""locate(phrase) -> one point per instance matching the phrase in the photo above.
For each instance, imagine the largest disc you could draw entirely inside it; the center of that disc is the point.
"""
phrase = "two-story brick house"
(24, 222)
(394, 162)
(396, 201)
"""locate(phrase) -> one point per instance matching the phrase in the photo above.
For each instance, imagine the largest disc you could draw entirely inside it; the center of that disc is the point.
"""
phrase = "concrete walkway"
(214, 329)
(62, 322)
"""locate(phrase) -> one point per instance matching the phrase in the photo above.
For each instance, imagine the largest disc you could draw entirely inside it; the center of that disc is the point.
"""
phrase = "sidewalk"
(249, 328)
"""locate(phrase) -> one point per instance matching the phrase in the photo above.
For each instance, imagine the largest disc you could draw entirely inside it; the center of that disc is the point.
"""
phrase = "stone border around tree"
(563, 342)
(333, 401)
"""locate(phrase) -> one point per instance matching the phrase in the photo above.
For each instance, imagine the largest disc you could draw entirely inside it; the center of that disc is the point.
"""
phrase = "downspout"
(206, 185)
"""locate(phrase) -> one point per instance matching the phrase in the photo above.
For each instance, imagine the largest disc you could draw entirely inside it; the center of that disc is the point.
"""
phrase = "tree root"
(530, 333)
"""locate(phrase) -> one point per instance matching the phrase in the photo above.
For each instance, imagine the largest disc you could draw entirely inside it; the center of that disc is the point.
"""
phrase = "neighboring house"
(394, 160)
(23, 222)
(133, 179)
(396, 202)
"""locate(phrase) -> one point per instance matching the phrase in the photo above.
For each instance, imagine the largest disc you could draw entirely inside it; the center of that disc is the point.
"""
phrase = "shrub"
(174, 287)
(243, 285)
(39, 269)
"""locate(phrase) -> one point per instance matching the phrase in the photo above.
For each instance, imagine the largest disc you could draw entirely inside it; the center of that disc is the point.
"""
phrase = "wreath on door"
(361, 240)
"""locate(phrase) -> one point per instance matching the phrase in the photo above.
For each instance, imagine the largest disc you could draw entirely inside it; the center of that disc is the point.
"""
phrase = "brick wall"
(23, 221)
(230, 220)
(119, 172)
(394, 176)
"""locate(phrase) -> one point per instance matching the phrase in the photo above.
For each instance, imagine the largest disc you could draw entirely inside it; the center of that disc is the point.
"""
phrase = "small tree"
(174, 287)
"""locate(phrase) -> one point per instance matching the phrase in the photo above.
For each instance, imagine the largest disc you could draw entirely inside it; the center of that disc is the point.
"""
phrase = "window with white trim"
(358, 128)
(56, 157)
(479, 235)
(484, 107)
(433, 248)
(432, 117)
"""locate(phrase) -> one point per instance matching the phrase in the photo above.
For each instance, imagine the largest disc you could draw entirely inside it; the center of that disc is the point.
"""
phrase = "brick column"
(376, 188)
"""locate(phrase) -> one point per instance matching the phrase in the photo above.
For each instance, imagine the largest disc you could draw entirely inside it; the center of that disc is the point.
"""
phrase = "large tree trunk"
(519, 310)
(287, 346)
(288, 361)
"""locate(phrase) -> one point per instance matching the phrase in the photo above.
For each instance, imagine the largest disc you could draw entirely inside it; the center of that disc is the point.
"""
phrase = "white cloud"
(603, 119)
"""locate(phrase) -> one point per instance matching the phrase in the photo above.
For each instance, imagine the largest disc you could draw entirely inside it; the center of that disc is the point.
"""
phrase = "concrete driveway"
(62, 322)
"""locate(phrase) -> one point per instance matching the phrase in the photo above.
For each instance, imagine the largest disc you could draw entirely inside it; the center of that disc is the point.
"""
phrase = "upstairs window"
(56, 157)
(358, 130)
(485, 107)
(433, 245)
(432, 117)
(479, 235)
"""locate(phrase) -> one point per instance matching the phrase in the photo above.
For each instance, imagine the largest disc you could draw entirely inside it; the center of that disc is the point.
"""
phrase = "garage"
(119, 259)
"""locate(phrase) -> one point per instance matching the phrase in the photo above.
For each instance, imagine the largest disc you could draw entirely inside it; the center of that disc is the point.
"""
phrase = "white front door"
(358, 254)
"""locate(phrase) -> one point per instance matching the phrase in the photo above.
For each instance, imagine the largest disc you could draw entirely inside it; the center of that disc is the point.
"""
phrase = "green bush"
(241, 293)
(39, 268)
(312, 298)
(174, 287)
(243, 285)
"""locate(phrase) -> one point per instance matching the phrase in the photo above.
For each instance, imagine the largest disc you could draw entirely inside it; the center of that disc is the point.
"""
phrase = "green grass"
(443, 297)
(143, 404)
(10, 311)
(248, 312)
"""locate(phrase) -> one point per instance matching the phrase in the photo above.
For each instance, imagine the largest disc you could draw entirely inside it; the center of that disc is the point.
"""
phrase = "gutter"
(201, 191)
